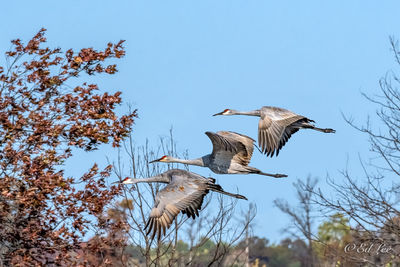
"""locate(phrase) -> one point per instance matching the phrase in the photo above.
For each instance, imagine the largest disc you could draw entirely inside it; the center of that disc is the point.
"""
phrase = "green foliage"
(279, 255)
(333, 235)
(335, 229)
(284, 254)
(182, 247)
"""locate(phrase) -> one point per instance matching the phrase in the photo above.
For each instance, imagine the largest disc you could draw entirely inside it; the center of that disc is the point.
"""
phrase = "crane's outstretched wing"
(275, 127)
(230, 145)
(179, 196)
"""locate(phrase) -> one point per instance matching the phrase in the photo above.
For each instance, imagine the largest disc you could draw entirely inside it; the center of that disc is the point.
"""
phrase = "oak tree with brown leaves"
(44, 214)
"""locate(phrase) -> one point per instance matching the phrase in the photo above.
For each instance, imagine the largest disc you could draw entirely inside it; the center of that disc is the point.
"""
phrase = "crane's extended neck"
(153, 179)
(247, 113)
(196, 162)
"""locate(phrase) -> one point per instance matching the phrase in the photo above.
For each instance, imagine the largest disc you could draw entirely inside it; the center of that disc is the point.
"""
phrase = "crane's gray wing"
(275, 127)
(232, 146)
(180, 195)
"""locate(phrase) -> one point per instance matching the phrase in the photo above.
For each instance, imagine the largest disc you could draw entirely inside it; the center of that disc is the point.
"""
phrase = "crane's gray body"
(225, 164)
(184, 193)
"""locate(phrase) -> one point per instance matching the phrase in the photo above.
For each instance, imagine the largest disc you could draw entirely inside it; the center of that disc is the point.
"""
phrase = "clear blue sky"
(187, 60)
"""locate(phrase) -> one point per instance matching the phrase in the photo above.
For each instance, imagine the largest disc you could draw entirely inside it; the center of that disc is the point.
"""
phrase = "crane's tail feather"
(217, 188)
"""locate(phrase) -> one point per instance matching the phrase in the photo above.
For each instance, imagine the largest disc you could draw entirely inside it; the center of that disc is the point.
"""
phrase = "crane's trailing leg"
(326, 130)
(277, 175)
(250, 169)
(310, 126)
(217, 188)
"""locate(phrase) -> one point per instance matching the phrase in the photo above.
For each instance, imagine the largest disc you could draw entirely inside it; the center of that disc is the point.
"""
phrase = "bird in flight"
(184, 193)
(231, 154)
(276, 126)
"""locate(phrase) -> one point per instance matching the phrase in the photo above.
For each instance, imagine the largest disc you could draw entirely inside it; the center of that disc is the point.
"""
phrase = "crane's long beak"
(220, 113)
(156, 160)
